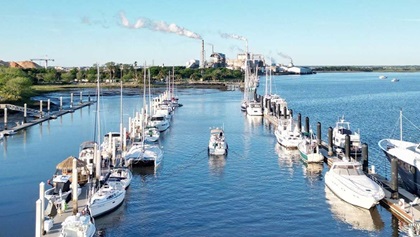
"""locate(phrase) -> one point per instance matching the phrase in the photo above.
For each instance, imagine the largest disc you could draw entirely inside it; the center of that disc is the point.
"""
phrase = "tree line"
(16, 83)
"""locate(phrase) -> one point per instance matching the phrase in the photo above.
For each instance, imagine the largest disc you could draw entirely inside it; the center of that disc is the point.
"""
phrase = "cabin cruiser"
(408, 157)
(288, 135)
(217, 143)
(160, 122)
(151, 134)
(79, 225)
(341, 129)
(309, 149)
(347, 180)
(61, 189)
(254, 108)
(87, 154)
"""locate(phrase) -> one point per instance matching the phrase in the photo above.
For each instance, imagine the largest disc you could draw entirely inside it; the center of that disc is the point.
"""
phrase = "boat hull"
(110, 204)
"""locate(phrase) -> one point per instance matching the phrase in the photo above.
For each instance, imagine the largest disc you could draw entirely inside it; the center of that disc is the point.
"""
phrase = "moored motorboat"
(61, 188)
(341, 129)
(151, 134)
(160, 122)
(217, 144)
(287, 134)
(347, 180)
(309, 150)
(79, 225)
(254, 108)
(383, 77)
(142, 155)
(86, 153)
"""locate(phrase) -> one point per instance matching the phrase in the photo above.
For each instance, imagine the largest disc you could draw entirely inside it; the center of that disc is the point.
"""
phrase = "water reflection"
(313, 171)
(287, 158)
(217, 164)
(358, 218)
(254, 121)
(110, 220)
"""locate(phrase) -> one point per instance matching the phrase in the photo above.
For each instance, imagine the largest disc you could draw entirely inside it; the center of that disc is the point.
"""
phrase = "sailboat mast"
(121, 112)
(401, 131)
(97, 145)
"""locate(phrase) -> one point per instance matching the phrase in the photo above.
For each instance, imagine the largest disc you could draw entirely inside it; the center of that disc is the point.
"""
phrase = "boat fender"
(401, 203)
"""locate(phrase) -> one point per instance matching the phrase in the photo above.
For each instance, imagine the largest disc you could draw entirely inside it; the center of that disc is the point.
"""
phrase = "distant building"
(217, 60)
(193, 63)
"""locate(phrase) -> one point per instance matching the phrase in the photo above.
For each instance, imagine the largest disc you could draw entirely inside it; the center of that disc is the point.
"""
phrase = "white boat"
(217, 143)
(347, 180)
(254, 108)
(112, 140)
(86, 153)
(151, 134)
(108, 197)
(408, 155)
(160, 122)
(244, 105)
(79, 225)
(309, 150)
(395, 80)
(61, 188)
(121, 174)
(341, 129)
(287, 134)
(383, 77)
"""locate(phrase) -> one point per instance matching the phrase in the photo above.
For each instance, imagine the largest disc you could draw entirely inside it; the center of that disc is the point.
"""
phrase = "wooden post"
(394, 178)
(71, 100)
(74, 186)
(318, 133)
(48, 105)
(284, 112)
(38, 230)
(42, 198)
(299, 120)
(307, 124)
(330, 141)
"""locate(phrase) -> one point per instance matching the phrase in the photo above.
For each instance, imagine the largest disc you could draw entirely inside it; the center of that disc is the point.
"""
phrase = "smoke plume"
(232, 36)
(158, 26)
(285, 56)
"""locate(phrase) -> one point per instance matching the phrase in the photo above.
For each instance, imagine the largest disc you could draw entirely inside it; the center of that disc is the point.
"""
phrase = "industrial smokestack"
(202, 55)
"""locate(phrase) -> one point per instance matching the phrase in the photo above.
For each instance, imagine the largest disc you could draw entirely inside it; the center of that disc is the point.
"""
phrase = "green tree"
(17, 88)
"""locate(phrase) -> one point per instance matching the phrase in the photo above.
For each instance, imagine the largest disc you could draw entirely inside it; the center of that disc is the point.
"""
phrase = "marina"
(255, 169)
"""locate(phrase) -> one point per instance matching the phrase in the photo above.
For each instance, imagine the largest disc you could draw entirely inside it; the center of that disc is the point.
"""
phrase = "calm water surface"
(259, 189)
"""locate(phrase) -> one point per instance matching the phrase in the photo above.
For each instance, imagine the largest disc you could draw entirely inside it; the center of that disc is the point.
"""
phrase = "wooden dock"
(48, 116)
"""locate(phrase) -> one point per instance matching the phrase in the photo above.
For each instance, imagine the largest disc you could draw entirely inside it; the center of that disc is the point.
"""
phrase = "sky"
(169, 32)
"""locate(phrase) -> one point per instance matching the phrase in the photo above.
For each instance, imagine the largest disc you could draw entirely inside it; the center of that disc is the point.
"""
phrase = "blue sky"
(340, 32)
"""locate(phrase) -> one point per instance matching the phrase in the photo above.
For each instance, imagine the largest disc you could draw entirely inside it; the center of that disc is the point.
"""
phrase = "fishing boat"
(408, 155)
(347, 180)
(288, 134)
(79, 225)
(61, 188)
(309, 150)
(108, 197)
(121, 174)
(254, 108)
(383, 77)
(217, 143)
(341, 129)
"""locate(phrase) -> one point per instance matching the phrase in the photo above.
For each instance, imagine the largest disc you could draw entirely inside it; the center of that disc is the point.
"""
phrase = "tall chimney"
(202, 54)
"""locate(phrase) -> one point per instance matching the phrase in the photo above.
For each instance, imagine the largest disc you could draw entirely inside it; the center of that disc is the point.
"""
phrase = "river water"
(259, 189)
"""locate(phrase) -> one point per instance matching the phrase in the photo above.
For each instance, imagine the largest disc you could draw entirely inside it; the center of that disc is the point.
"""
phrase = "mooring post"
(89, 97)
(365, 157)
(42, 198)
(291, 113)
(5, 118)
(347, 146)
(330, 141)
(268, 106)
(71, 100)
(274, 109)
(81, 97)
(38, 230)
(74, 186)
(61, 103)
(48, 105)
(40, 107)
(262, 103)
(307, 124)
(284, 112)
(24, 112)
(299, 121)
(394, 178)
(318, 133)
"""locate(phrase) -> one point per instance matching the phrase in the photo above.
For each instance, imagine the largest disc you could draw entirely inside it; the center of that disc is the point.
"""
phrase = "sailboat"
(109, 196)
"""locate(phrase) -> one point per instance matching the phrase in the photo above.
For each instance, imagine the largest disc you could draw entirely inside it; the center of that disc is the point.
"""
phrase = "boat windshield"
(348, 170)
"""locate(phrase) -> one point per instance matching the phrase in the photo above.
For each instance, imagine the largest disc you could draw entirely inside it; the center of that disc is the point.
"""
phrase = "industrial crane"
(46, 59)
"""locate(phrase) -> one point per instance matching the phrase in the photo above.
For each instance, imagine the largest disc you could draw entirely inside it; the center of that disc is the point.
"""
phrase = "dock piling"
(42, 199)
(318, 133)
(306, 124)
(61, 103)
(365, 157)
(278, 111)
(347, 146)
(274, 106)
(71, 100)
(284, 112)
(330, 141)
(5, 118)
(24, 113)
(81, 97)
(48, 105)
(74, 186)
(38, 230)
(394, 178)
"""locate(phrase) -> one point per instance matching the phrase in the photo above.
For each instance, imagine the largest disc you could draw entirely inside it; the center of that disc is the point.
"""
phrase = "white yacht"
(347, 180)
(287, 134)
(108, 197)
(217, 143)
(87, 154)
(408, 155)
(151, 134)
(341, 129)
(254, 108)
(121, 174)
(79, 225)
(160, 122)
